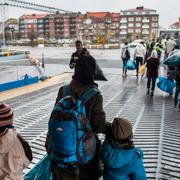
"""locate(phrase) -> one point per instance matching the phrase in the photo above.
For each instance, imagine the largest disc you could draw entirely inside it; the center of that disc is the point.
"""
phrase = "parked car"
(135, 42)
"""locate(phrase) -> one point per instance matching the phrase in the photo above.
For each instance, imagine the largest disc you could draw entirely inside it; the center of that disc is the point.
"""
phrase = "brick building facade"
(94, 25)
(139, 23)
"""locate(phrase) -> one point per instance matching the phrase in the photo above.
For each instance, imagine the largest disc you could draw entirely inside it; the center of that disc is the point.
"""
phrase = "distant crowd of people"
(150, 54)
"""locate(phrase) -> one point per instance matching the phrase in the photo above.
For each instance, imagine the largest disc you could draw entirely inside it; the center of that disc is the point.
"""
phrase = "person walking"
(139, 55)
(152, 65)
(79, 52)
(170, 44)
(177, 91)
(15, 153)
(82, 82)
(148, 53)
(121, 159)
(125, 55)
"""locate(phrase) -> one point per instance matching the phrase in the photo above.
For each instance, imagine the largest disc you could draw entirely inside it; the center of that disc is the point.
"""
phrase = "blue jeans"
(177, 98)
(124, 64)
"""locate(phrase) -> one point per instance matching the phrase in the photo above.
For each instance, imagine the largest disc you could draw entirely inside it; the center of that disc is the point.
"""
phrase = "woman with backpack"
(69, 167)
(125, 55)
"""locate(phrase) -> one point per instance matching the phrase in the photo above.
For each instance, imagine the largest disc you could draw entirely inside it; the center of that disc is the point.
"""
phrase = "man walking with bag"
(77, 166)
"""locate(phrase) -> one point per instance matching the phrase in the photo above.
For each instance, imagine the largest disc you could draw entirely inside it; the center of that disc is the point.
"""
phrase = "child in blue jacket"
(122, 161)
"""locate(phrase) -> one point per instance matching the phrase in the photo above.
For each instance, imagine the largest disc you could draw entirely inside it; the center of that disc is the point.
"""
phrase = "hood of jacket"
(78, 88)
(7, 140)
(117, 157)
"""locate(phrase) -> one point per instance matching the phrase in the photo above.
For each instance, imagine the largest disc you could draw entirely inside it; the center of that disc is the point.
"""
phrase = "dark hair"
(176, 46)
(78, 42)
(126, 43)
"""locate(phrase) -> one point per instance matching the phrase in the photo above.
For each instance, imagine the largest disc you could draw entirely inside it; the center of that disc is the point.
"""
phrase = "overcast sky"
(169, 10)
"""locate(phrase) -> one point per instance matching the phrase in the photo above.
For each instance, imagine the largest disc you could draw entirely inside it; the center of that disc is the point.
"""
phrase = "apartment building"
(60, 26)
(92, 25)
(139, 23)
(31, 26)
(50, 26)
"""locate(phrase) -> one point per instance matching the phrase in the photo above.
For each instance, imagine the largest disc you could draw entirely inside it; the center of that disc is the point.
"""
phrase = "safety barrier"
(19, 83)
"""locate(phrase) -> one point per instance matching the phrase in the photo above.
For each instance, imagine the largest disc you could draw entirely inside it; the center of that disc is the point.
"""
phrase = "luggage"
(41, 171)
(166, 84)
(130, 65)
(142, 69)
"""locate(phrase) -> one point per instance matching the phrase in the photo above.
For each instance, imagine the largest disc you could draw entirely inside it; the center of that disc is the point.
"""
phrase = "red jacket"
(152, 67)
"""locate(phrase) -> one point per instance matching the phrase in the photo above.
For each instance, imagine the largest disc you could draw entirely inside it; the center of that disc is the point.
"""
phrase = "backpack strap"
(89, 93)
(66, 90)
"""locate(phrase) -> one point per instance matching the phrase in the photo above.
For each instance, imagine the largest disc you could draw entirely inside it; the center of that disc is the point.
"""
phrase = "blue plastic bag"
(166, 84)
(41, 171)
(130, 65)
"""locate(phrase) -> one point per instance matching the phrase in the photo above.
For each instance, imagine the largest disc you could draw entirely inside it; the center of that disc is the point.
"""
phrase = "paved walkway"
(156, 123)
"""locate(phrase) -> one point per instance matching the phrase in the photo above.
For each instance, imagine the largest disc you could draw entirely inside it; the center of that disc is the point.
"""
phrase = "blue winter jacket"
(122, 164)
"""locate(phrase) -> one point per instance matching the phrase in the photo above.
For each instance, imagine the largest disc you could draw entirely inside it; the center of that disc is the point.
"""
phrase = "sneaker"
(148, 91)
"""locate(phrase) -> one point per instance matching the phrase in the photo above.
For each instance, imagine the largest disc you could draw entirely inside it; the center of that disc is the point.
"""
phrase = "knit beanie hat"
(6, 115)
(121, 129)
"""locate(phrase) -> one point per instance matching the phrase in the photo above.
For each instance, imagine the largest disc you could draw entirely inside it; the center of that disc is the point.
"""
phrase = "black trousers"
(177, 92)
(151, 81)
(139, 60)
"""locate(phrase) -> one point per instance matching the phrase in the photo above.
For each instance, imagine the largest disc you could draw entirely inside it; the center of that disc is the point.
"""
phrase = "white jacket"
(140, 51)
(12, 157)
(123, 51)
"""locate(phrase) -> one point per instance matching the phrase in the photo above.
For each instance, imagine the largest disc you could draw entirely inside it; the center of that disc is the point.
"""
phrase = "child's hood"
(118, 157)
(7, 140)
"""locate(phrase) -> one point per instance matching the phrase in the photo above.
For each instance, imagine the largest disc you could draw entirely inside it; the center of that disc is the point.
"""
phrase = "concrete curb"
(34, 87)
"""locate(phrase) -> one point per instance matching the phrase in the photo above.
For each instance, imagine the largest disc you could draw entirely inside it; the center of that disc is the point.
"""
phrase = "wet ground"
(156, 123)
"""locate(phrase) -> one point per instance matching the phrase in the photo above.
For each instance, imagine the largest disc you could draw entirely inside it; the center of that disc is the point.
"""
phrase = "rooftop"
(139, 8)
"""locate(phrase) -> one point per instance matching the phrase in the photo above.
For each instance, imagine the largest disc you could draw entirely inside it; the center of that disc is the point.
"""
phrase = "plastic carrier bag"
(41, 171)
(166, 84)
(142, 69)
(130, 65)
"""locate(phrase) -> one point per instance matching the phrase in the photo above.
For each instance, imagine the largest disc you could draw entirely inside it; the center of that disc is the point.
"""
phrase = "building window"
(123, 19)
(138, 18)
(138, 30)
(138, 24)
(154, 24)
(145, 18)
(130, 25)
(130, 30)
(131, 19)
(154, 18)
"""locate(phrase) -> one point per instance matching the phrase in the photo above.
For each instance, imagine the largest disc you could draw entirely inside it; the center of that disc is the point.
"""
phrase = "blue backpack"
(72, 141)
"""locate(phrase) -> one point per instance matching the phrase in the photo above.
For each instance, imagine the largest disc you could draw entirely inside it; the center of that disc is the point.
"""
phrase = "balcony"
(123, 21)
(81, 28)
(145, 32)
(145, 26)
(123, 32)
(102, 27)
(123, 27)
(145, 20)
(113, 27)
